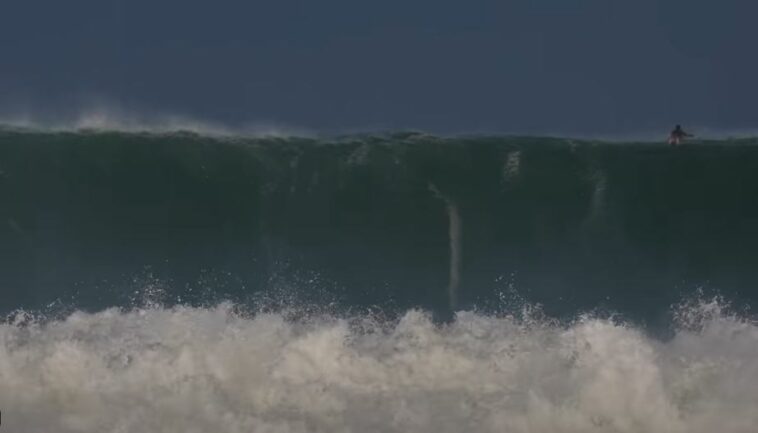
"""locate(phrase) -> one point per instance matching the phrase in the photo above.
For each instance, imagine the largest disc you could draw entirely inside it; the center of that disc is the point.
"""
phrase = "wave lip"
(101, 117)
(195, 369)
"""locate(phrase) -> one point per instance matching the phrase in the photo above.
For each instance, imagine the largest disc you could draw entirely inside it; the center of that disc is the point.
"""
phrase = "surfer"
(677, 135)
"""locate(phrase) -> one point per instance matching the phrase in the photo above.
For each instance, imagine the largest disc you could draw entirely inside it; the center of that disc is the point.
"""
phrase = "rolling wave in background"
(400, 282)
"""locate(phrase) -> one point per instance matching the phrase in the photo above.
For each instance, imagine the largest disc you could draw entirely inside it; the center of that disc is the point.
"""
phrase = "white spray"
(208, 369)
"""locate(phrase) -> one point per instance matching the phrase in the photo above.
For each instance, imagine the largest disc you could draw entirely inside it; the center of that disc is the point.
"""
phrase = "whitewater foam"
(211, 369)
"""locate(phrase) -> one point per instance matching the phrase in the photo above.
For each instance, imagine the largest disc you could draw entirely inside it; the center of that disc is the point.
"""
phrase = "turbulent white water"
(211, 370)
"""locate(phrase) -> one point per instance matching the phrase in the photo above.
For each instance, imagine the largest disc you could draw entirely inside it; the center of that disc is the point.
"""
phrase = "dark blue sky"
(535, 66)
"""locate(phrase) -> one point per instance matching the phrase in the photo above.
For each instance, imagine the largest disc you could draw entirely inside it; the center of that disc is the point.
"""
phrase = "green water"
(97, 219)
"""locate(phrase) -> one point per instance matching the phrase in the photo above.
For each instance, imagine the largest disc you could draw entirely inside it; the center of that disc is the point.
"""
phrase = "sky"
(579, 67)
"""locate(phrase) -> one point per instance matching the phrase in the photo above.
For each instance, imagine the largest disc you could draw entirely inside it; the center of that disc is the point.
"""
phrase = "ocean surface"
(180, 282)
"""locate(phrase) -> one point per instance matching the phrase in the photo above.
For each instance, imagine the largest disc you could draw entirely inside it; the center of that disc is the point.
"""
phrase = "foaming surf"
(219, 369)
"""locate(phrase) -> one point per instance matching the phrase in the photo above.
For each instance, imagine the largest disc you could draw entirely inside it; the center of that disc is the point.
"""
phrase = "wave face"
(93, 220)
(409, 283)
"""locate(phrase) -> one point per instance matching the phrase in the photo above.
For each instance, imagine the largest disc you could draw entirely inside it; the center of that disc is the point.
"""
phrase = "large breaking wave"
(402, 282)
(400, 221)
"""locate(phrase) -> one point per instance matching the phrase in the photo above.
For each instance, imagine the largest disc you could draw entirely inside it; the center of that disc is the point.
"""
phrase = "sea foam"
(214, 369)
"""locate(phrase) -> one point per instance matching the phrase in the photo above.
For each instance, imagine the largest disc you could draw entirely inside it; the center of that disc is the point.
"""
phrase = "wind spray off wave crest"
(110, 118)
(197, 370)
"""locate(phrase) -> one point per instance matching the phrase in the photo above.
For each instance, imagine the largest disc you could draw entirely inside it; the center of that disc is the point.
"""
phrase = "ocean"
(399, 282)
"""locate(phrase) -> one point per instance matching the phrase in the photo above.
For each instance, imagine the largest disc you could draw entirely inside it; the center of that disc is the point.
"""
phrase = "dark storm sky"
(549, 66)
